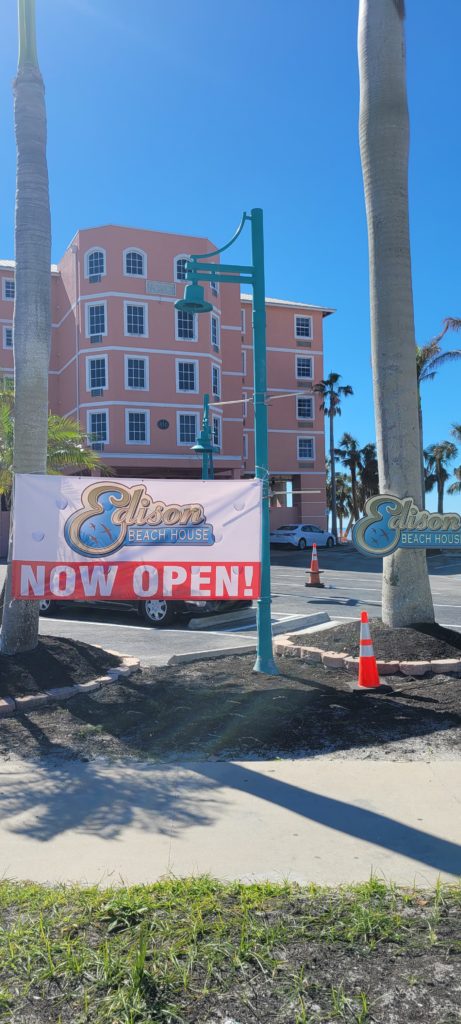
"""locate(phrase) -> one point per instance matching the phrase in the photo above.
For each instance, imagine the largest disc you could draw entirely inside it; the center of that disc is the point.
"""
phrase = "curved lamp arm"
(216, 252)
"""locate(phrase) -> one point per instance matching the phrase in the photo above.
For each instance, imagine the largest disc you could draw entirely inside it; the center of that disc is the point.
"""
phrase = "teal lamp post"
(204, 444)
(199, 270)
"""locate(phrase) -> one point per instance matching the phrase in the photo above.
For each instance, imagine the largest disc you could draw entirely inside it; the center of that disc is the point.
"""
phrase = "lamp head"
(194, 300)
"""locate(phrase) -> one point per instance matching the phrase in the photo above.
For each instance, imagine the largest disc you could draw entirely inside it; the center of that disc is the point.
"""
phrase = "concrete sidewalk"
(306, 820)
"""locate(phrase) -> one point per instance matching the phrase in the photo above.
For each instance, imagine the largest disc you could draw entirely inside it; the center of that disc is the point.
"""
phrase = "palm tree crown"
(332, 394)
(430, 357)
(67, 446)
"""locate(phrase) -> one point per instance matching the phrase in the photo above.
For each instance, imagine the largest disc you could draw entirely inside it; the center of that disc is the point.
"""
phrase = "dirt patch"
(220, 709)
(193, 951)
(56, 661)
(423, 642)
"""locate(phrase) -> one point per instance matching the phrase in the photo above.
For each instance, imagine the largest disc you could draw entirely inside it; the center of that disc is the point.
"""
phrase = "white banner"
(128, 539)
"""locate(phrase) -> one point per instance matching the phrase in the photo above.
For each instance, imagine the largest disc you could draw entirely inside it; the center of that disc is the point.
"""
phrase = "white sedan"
(301, 536)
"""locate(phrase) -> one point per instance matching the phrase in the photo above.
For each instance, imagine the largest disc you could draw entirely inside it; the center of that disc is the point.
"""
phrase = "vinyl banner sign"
(391, 523)
(96, 538)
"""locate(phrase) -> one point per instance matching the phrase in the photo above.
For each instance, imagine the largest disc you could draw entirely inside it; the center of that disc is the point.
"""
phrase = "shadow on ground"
(213, 710)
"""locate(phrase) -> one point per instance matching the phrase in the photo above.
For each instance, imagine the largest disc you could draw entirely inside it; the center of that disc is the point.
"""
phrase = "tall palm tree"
(343, 499)
(429, 359)
(456, 431)
(369, 476)
(437, 457)
(67, 447)
(32, 307)
(350, 455)
(331, 393)
(384, 140)
(455, 487)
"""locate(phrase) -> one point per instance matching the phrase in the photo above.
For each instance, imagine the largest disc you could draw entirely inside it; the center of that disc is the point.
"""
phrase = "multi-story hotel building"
(133, 370)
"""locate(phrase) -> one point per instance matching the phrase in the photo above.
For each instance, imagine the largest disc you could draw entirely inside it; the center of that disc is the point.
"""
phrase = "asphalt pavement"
(353, 583)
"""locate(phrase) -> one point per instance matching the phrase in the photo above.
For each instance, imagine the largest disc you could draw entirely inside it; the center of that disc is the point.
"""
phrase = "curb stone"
(10, 705)
(7, 707)
(336, 659)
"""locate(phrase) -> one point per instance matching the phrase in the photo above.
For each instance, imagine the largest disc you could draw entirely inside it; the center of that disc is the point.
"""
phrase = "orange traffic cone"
(314, 571)
(368, 669)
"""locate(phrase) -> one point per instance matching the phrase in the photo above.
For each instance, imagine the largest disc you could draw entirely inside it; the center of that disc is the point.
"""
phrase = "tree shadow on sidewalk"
(218, 710)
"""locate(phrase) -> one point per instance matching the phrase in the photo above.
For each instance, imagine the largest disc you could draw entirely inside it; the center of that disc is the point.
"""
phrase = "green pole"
(265, 659)
(205, 438)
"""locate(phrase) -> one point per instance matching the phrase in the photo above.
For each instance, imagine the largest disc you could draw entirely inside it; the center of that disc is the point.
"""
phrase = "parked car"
(302, 536)
(156, 613)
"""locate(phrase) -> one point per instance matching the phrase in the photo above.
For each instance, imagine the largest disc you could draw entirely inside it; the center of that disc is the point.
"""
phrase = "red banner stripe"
(136, 581)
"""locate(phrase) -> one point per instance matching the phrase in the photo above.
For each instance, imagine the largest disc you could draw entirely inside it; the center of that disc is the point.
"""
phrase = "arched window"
(180, 268)
(134, 263)
(95, 264)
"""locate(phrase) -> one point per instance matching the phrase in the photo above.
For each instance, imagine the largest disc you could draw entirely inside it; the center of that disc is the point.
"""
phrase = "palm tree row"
(353, 489)
(429, 359)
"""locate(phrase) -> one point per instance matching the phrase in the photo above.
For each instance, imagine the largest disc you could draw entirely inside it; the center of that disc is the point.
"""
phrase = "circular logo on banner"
(163, 424)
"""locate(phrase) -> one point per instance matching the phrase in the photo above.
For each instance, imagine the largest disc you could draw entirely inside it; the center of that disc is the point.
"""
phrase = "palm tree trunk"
(384, 139)
(440, 491)
(354, 493)
(334, 527)
(421, 442)
(32, 310)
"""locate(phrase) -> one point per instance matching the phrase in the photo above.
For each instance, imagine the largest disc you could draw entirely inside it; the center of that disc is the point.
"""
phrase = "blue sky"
(177, 116)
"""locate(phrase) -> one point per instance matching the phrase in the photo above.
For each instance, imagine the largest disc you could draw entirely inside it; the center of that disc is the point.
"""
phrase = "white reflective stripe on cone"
(367, 653)
(365, 631)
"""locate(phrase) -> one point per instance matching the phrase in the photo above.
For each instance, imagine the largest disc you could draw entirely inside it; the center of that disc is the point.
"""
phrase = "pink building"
(133, 370)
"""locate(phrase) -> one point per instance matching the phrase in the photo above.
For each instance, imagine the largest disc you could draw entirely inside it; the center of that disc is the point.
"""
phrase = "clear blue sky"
(177, 116)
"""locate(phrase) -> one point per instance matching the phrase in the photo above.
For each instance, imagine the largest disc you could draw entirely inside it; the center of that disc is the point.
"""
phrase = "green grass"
(161, 953)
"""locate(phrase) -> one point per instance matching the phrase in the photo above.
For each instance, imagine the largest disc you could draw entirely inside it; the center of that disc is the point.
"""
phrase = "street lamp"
(199, 270)
(204, 444)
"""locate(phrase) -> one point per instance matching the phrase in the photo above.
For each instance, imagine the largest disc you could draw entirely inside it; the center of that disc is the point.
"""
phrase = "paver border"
(12, 705)
(285, 647)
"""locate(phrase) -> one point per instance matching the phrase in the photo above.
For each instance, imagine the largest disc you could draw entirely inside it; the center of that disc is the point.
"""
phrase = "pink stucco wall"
(157, 290)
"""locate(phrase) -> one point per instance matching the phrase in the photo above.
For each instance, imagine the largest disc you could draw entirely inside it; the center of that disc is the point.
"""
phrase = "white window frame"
(245, 446)
(217, 419)
(216, 366)
(89, 414)
(214, 285)
(305, 458)
(215, 318)
(303, 337)
(134, 302)
(145, 360)
(181, 391)
(147, 415)
(140, 252)
(95, 248)
(189, 341)
(100, 302)
(8, 327)
(186, 412)
(89, 360)
(310, 398)
(300, 356)
(180, 256)
(9, 280)
(244, 363)
(242, 321)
